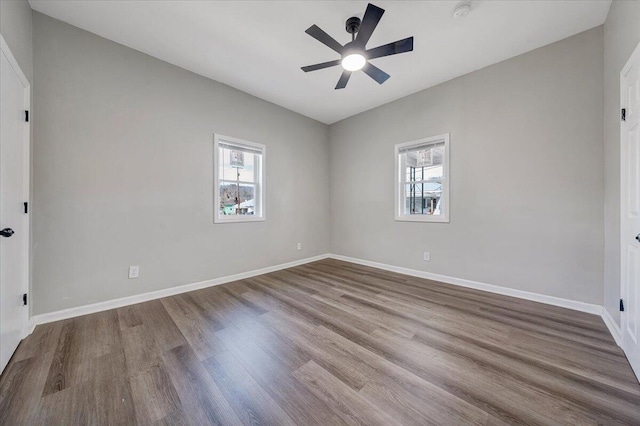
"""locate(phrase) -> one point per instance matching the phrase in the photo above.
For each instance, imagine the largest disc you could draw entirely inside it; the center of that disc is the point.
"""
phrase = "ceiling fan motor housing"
(352, 25)
(352, 48)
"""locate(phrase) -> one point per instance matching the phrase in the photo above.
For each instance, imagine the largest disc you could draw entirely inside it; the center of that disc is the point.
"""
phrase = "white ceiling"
(259, 46)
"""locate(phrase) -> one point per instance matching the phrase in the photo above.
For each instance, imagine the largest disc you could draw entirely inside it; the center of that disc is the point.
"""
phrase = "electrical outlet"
(426, 257)
(134, 272)
(299, 246)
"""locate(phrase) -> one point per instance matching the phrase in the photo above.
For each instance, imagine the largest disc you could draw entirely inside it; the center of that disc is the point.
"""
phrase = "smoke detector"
(461, 10)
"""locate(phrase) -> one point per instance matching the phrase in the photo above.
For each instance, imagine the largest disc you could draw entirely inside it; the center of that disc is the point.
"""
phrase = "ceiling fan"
(355, 55)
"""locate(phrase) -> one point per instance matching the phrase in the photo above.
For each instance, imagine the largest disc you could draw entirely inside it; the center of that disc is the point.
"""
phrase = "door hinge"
(26, 207)
(621, 306)
(24, 299)
(623, 114)
(26, 116)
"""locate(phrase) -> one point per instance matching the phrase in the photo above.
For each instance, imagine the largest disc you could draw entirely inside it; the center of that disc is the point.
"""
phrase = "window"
(422, 180)
(239, 180)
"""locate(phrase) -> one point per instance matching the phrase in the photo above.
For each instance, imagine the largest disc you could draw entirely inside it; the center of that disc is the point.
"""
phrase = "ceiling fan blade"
(324, 38)
(344, 78)
(321, 65)
(400, 46)
(375, 73)
(372, 16)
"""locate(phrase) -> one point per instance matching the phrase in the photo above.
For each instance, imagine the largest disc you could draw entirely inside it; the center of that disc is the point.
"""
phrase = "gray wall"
(122, 174)
(15, 27)
(123, 147)
(621, 36)
(526, 174)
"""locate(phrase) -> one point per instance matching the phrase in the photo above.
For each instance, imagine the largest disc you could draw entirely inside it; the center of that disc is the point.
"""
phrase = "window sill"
(424, 219)
(238, 219)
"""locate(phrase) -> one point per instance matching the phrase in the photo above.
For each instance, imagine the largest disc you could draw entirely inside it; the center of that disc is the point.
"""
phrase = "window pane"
(422, 184)
(236, 199)
(424, 164)
(423, 198)
(238, 165)
(239, 180)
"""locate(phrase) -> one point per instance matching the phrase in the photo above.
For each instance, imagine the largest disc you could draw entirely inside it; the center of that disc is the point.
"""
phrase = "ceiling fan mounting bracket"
(352, 25)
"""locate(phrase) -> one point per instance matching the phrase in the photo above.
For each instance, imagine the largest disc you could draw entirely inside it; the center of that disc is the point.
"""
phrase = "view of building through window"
(423, 177)
(422, 180)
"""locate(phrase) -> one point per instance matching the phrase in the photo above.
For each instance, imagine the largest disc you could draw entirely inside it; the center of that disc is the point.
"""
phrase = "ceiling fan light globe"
(353, 62)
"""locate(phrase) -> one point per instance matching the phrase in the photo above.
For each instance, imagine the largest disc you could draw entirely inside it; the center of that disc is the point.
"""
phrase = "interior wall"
(123, 175)
(16, 28)
(527, 186)
(621, 36)
(123, 149)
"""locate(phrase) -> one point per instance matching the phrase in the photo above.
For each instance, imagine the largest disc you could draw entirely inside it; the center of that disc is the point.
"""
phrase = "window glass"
(239, 180)
(422, 185)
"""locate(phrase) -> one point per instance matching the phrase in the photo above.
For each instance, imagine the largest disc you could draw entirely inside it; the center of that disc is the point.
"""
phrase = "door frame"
(26, 190)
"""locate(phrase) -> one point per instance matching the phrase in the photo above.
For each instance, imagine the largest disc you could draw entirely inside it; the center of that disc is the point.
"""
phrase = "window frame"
(260, 185)
(400, 190)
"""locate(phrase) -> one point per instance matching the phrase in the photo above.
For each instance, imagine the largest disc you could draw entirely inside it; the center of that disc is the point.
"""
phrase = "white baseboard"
(31, 326)
(536, 297)
(614, 329)
(131, 300)
(139, 298)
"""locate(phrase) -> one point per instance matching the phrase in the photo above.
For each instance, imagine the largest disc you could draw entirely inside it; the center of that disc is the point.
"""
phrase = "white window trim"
(399, 202)
(260, 186)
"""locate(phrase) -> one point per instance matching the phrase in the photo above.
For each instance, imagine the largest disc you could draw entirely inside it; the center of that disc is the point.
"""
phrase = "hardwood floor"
(324, 343)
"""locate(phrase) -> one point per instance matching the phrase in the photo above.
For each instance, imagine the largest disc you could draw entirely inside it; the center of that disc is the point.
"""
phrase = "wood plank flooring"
(329, 342)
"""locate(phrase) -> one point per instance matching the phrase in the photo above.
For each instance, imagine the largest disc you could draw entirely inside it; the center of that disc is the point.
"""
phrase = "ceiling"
(259, 46)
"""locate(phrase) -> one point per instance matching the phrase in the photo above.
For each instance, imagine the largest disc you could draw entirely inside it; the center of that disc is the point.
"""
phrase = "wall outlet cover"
(134, 272)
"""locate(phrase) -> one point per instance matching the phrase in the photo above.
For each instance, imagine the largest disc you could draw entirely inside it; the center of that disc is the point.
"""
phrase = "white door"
(630, 214)
(14, 151)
